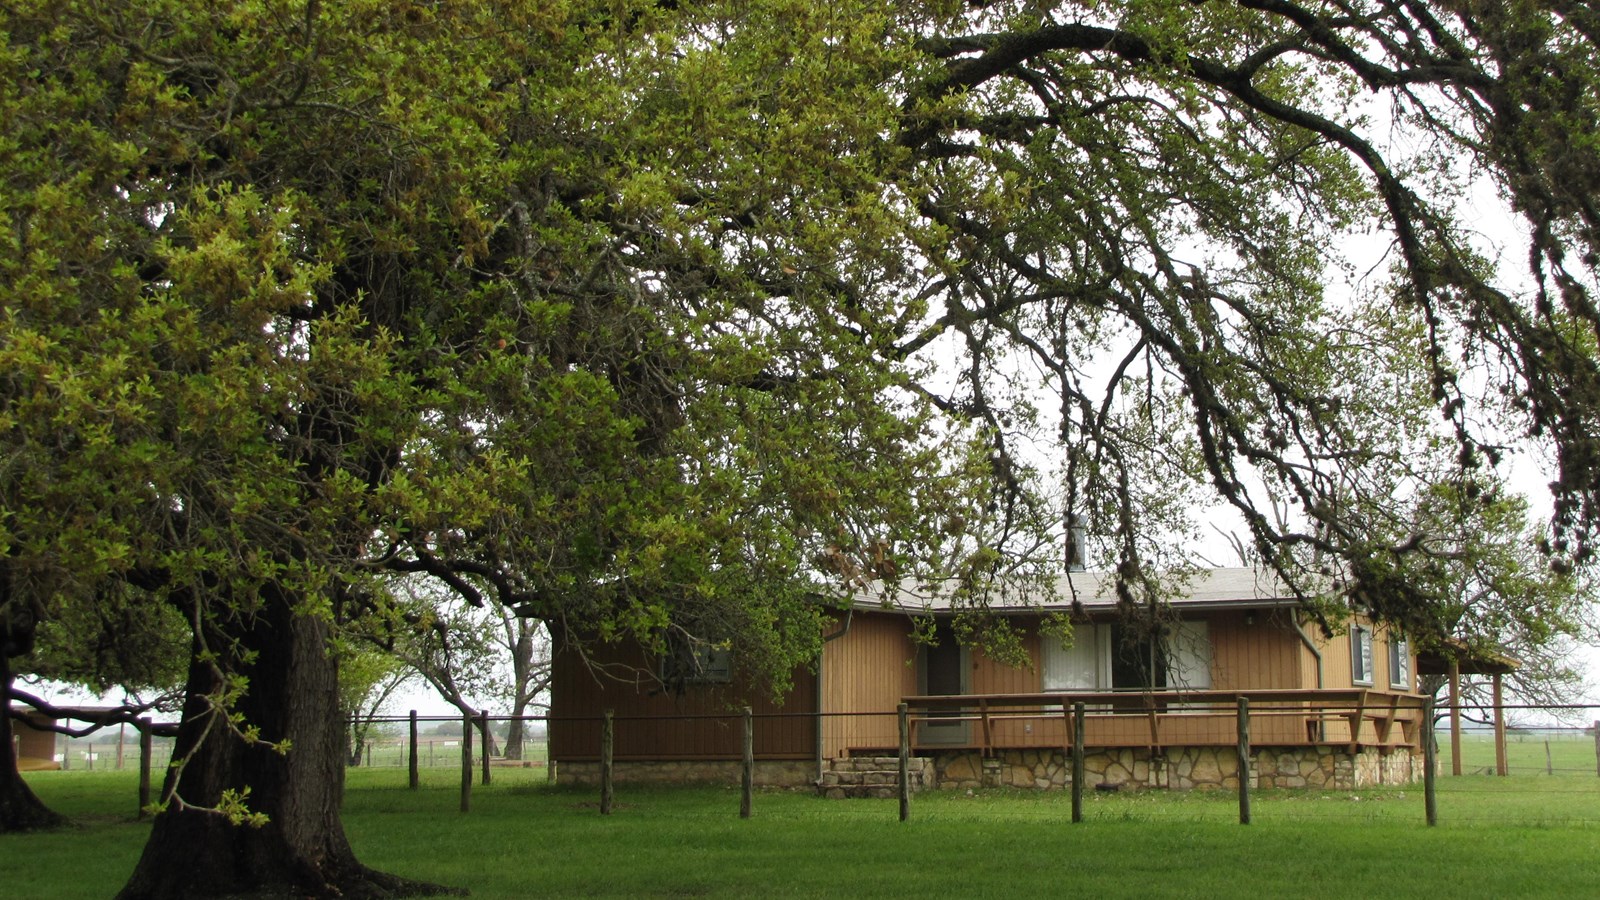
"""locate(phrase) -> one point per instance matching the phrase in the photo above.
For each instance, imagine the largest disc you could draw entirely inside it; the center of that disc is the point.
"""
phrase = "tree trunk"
(301, 851)
(20, 809)
(514, 734)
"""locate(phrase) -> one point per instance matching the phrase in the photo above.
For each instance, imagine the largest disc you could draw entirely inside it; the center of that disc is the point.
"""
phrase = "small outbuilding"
(33, 743)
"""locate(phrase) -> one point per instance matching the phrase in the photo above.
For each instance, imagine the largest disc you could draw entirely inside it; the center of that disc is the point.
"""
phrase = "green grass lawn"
(1518, 836)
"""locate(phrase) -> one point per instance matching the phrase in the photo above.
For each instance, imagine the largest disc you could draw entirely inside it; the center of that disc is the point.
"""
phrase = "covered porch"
(1353, 719)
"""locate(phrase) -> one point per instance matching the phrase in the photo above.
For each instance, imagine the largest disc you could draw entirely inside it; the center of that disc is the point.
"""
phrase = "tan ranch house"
(1339, 712)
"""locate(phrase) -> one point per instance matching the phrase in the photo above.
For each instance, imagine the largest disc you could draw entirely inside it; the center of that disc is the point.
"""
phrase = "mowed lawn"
(1528, 835)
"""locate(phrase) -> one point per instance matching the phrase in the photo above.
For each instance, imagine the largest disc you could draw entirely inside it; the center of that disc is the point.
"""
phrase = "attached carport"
(1456, 659)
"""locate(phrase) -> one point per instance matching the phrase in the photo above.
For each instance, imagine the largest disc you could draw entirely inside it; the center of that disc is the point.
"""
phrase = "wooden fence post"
(606, 735)
(1077, 761)
(1244, 760)
(747, 768)
(1597, 747)
(1501, 766)
(905, 762)
(1455, 717)
(466, 763)
(416, 779)
(483, 720)
(145, 746)
(1430, 788)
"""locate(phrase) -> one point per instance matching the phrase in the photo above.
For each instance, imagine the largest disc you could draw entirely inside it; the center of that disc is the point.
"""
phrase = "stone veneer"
(873, 776)
(771, 773)
(1182, 768)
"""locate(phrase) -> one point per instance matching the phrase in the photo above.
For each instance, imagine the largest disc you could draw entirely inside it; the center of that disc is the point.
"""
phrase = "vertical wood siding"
(866, 670)
(650, 720)
(1336, 660)
(1259, 650)
(871, 664)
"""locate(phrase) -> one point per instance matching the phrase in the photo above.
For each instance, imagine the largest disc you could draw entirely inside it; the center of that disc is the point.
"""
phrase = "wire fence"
(1552, 771)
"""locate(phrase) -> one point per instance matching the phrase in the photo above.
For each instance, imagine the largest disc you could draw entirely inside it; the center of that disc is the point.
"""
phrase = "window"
(1137, 660)
(1399, 663)
(1361, 654)
(693, 661)
(1082, 666)
(1189, 656)
(1105, 656)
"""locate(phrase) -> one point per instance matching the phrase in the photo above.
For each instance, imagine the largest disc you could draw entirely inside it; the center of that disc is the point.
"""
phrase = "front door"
(943, 670)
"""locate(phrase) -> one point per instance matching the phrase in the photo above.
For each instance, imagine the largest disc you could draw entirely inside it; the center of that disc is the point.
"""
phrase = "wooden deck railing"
(1156, 719)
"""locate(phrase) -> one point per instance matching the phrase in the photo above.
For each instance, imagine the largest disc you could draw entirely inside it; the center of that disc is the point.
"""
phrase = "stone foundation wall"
(1373, 767)
(873, 776)
(1182, 768)
(770, 773)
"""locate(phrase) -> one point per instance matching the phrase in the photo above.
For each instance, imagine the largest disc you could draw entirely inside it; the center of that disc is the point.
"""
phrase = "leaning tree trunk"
(20, 809)
(301, 851)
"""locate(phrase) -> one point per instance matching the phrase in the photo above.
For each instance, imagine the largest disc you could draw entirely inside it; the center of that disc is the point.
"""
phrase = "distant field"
(1527, 835)
(1566, 752)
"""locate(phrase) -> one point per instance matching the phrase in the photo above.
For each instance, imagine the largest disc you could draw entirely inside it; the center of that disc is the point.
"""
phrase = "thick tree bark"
(302, 850)
(20, 809)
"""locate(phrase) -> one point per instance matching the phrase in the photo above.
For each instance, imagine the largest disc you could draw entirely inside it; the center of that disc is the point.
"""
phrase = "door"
(943, 670)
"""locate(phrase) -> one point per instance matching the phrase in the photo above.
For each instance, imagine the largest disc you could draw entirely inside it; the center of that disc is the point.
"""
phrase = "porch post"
(1455, 717)
(1500, 766)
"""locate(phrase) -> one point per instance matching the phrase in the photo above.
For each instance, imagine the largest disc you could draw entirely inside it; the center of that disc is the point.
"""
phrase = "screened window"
(1399, 663)
(1361, 654)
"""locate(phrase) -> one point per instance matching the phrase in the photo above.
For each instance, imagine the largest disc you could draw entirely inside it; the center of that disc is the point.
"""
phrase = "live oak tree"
(1146, 207)
(650, 316)
(523, 299)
